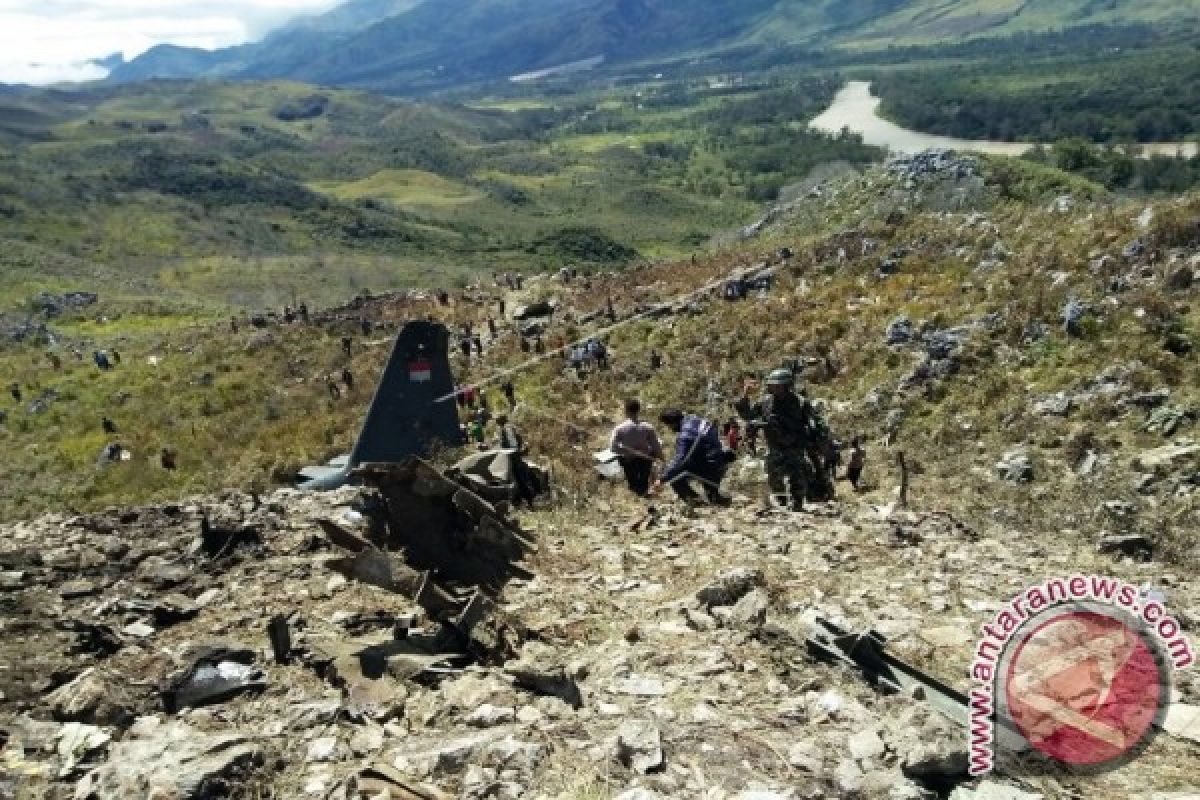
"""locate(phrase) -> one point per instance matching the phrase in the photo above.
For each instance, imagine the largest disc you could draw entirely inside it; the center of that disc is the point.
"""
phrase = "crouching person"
(698, 456)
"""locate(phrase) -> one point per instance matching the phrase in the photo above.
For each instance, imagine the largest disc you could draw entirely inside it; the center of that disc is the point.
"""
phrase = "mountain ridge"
(404, 46)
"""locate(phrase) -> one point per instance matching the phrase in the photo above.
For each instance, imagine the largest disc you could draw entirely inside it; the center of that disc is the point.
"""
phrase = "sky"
(47, 41)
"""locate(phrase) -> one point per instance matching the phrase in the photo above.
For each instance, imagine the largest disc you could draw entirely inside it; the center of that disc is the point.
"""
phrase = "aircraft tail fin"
(413, 409)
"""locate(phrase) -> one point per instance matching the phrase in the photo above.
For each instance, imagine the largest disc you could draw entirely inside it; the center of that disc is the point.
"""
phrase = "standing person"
(698, 454)
(477, 431)
(656, 360)
(637, 447)
(784, 418)
(510, 393)
(348, 379)
(510, 439)
(854, 466)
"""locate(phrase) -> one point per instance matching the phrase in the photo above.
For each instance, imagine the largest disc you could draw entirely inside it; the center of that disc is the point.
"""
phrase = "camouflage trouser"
(788, 476)
(820, 484)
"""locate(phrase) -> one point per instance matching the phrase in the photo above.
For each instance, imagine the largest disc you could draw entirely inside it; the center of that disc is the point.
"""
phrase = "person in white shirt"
(637, 447)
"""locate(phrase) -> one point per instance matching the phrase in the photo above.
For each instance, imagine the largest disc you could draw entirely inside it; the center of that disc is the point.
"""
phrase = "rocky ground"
(660, 655)
(1034, 362)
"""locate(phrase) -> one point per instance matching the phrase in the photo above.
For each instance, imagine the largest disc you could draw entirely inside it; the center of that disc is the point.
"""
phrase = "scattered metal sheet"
(381, 781)
(866, 653)
(216, 675)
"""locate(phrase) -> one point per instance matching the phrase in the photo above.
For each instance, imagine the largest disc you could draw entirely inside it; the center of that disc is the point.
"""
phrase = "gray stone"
(806, 756)
(865, 746)
(1183, 722)
(95, 697)
(1015, 467)
(750, 611)
(941, 345)
(1146, 483)
(640, 686)
(848, 777)
(1167, 458)
(76, 742)
(993, 790)
(1167, 421)
(490, 716)
(1063, 204)
(442, 756)
(899, 331)
(1058, 405)
(730, 586)
(169, 759)
(322, 750)
(510, 753)
(1072, 315)
(639, 746)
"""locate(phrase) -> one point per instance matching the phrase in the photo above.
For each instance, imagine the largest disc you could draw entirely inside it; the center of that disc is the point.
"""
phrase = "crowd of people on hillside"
(802, 457)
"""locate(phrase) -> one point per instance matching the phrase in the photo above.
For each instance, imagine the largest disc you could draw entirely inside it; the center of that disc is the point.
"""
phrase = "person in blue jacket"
(699, 456)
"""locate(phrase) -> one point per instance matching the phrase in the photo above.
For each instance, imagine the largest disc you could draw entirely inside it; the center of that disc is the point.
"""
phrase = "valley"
(971, 231)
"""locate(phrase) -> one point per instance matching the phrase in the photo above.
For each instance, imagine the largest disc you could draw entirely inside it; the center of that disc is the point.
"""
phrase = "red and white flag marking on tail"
(420, 371)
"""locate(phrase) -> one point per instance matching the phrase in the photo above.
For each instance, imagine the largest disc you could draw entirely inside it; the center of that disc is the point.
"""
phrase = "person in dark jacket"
(698, 455)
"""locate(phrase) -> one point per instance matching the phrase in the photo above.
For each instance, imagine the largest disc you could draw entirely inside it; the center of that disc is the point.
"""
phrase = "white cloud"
(52, 40)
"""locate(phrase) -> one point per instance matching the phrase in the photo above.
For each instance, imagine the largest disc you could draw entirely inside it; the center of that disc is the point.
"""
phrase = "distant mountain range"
(413, 45)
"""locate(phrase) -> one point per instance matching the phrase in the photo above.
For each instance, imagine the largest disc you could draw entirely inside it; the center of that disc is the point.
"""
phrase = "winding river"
(856, 109)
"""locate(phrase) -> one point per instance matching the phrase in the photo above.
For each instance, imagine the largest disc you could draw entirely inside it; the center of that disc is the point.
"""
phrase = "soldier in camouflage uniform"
(785, 419)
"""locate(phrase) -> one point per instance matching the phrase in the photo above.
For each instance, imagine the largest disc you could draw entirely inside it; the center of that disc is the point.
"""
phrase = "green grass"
(404, 188)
